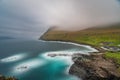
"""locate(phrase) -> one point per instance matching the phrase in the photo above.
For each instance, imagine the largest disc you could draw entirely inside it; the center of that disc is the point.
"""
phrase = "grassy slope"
(91, 36)
(115, 56)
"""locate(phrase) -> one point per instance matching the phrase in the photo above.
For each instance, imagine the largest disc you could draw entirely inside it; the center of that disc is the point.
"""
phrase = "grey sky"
(21, 18)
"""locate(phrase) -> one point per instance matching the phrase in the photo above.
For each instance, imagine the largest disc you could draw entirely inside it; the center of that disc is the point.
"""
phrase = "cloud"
(79, 14)
(33, 17)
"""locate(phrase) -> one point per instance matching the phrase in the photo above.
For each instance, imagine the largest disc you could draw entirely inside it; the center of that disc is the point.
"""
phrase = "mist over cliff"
(32, 18)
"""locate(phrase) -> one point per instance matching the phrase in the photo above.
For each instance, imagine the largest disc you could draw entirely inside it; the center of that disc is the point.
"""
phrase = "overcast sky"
(21, 18)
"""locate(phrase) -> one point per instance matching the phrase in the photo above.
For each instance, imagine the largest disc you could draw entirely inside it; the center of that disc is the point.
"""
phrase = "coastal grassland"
(91, 36)
(113, 55)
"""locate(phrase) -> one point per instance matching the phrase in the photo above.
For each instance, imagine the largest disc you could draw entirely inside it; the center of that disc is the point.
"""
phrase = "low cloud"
(34, 17)
(80, 14)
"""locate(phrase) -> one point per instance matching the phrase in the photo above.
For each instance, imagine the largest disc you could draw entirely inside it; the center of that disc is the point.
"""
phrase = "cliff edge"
(95, 67)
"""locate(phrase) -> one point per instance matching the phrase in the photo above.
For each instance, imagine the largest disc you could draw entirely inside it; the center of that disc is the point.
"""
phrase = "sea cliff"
(95, 67)
(104, 65)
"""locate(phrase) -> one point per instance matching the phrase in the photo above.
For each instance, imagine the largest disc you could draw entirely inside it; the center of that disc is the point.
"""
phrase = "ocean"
(29, 60)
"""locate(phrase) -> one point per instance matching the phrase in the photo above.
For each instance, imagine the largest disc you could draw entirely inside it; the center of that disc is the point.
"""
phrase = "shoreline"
(75, 43)
(77, 70)
(67, 41)
(101, 65)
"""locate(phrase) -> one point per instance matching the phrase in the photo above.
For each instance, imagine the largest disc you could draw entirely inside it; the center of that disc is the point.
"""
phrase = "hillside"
(108, 63)
(91, 36)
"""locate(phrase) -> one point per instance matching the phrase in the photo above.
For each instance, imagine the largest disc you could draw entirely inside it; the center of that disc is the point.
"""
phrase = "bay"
(28, 60)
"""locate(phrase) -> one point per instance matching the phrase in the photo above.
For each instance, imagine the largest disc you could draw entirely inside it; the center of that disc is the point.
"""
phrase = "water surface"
(28, 60)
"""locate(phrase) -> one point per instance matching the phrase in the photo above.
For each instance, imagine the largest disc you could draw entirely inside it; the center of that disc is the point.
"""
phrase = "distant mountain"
(5, 37)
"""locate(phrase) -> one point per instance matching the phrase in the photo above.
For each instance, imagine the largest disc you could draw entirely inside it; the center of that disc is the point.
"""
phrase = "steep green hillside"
(92, 36)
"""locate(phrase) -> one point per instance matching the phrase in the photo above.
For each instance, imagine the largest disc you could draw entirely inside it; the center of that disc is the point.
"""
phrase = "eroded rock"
(95, 67)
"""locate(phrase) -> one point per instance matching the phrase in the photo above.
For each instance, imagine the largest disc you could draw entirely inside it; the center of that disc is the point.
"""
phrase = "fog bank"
(32, 18)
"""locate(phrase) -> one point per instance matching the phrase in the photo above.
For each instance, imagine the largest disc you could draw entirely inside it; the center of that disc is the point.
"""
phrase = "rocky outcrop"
(7, 78)
(95, 67)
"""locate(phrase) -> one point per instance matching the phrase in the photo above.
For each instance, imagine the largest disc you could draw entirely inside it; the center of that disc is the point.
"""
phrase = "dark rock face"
(95, 68)
(2, 77)
(7, 78)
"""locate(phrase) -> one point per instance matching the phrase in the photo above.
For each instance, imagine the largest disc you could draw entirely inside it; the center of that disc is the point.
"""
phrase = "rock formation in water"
(95, 67)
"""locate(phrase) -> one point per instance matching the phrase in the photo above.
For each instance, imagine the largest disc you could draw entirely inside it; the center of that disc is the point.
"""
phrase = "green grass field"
(91, 36)
(115, 55)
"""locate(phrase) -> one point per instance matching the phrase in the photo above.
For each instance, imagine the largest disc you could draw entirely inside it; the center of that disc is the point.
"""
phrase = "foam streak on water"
(13, 58)
(27, 65)
(80, 45)
(65, 59)
(37, 65)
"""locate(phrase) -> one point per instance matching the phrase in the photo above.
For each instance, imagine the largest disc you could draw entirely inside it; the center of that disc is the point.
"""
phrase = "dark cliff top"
(95, 68)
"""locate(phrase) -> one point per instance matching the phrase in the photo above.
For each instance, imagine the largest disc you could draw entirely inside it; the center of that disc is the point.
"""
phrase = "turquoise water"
(28, 60)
